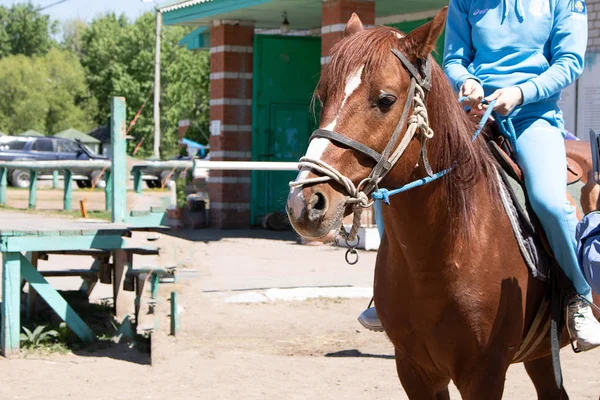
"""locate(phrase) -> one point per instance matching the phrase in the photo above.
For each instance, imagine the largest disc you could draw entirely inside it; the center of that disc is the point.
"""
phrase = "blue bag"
(588, 248)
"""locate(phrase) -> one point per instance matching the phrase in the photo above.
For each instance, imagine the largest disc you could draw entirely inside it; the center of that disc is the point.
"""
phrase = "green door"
(286, 71)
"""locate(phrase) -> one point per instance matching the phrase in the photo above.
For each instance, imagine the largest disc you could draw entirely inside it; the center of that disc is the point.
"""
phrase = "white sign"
(215, 127)
(588, 97)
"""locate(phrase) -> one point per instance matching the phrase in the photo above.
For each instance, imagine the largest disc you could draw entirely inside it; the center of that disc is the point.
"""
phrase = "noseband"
(420, 84)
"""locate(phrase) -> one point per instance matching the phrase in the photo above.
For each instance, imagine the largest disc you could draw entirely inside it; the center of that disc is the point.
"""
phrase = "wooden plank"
(33, 175)
(11, 303)
(3, 185)
(122, 264)
(143, 251)
(68, 190)
(108, 176)
(32, 294)
(41, 243)
(88, 285)
(80, 252)
(137, 180)
(69, 272)
(118, 158)
(174, 314)
(55, 301)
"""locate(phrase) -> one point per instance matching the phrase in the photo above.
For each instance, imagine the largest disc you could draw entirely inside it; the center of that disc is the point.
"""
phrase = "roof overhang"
(267, 14)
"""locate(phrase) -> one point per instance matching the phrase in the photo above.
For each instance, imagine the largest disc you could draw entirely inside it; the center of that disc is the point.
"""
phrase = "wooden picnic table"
(24, 237)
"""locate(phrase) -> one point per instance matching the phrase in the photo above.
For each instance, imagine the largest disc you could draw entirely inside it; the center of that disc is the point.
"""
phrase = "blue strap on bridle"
(384, 194)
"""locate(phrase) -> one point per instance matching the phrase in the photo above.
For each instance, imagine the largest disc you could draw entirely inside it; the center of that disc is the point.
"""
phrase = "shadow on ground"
(111, 342)
(353, 353)
(214, 235)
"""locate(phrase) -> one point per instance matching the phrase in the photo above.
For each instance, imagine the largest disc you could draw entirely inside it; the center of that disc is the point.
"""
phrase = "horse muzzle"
(315, 212)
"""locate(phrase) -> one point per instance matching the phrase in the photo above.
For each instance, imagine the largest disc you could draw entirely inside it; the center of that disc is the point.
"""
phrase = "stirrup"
(576, 349)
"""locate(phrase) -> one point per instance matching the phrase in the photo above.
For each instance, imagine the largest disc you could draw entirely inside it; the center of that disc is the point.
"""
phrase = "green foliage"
(38, 337)
(24, 30)
(72, 31)
(118, 57)
(46, 93)
(180, 192)
(49, 87)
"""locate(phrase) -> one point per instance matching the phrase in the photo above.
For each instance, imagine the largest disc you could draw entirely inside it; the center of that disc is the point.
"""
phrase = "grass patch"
(98, 317)
(102, 215)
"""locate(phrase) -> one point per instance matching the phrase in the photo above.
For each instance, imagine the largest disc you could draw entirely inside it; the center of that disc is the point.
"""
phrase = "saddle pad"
(513, 200)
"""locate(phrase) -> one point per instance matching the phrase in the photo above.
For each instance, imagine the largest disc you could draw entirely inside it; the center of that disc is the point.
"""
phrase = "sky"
(88, 9)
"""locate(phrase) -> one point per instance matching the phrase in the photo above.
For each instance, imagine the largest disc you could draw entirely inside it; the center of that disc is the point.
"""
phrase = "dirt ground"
(52, 199)
(236, 342)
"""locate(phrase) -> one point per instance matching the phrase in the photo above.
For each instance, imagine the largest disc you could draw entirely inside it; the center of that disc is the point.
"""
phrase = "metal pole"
(157, 86)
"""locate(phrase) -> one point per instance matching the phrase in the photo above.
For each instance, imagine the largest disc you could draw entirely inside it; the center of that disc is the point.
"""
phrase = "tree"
(118, 57)
(72, 31)
(47, 94)
(24, 30)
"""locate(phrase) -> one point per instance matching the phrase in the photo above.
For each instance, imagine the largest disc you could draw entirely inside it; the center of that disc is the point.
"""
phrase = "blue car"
(41, 148)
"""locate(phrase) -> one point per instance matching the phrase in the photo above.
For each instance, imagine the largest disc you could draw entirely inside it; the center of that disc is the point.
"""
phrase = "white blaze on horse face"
(317, 146)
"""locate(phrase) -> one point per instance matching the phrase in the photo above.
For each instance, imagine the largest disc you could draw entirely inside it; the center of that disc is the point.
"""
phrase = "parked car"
(36, 148)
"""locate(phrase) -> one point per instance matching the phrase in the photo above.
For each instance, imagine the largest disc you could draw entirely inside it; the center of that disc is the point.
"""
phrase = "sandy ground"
(257, 349)
(52, 199)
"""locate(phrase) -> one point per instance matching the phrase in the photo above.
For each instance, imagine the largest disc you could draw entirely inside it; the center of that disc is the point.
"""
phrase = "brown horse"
(451, 287)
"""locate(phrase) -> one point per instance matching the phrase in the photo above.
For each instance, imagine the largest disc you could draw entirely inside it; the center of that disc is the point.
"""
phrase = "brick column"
(231, 120)
(593, 11)
(335, 15)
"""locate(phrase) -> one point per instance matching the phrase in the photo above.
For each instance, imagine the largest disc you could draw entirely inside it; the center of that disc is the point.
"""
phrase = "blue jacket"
(537, 45)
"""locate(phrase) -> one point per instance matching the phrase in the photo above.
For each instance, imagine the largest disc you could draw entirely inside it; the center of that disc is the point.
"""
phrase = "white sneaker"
(370, 320)
(583, 326)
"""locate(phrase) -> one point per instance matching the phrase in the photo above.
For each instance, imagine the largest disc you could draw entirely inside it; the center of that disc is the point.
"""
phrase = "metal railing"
(68, 167)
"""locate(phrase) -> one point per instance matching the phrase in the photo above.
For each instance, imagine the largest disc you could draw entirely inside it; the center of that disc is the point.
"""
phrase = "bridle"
(420, 85)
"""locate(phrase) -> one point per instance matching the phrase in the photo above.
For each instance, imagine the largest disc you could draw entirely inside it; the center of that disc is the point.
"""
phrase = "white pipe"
(246, 165)
(56, 165)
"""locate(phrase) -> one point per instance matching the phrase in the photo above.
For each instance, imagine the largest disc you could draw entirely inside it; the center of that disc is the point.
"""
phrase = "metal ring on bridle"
(352, 251)
(355, 245)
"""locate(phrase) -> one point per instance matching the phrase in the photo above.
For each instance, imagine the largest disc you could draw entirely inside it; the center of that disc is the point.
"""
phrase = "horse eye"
(386, 101)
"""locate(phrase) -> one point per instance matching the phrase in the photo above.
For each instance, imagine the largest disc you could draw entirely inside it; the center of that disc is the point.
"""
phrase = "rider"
(522, 54)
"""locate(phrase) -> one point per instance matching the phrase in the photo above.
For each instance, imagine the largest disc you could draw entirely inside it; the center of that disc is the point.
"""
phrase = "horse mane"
(452, 143)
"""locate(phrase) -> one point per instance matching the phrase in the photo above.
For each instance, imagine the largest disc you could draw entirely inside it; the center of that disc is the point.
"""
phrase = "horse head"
(369, 93)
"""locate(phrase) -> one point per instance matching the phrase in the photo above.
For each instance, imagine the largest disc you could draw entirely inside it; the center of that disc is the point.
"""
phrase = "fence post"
(68, 190)
(119, 165)
(108, 190)
(3, 185)
(54, 179)
(137, 180)
(32, 188)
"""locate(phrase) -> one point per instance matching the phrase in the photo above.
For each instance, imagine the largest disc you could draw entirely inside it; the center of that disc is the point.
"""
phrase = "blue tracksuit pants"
(542, 158)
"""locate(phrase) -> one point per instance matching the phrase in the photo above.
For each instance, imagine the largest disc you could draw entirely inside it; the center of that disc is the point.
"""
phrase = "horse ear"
(353, 26)
(421, 41)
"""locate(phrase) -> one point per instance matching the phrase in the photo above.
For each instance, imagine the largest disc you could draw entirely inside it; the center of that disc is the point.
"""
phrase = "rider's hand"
(473, 92)
(506, 99)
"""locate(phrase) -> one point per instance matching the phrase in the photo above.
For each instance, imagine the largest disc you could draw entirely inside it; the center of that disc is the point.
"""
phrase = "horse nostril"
(318, 202)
